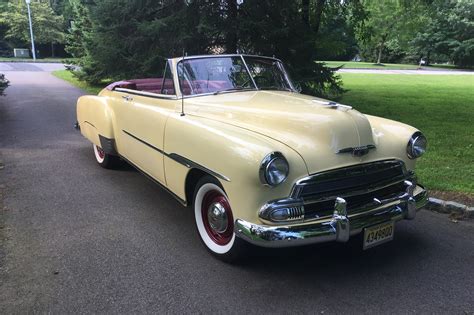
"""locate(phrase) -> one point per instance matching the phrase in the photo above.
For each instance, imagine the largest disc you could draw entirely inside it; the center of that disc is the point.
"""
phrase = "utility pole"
(31, 30)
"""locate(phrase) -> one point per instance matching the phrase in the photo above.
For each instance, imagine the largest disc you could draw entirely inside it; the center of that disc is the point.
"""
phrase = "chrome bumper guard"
(340, 226)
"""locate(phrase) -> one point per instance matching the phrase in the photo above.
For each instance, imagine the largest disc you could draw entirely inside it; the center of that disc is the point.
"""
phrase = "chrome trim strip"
(339, 227)
(85, 121)
(147, 94)
(225, 55)
(144, 142)
(180, 159)
(190, 164)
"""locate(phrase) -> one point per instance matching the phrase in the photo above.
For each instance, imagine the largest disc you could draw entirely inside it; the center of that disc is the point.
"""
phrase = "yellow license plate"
(376, 235)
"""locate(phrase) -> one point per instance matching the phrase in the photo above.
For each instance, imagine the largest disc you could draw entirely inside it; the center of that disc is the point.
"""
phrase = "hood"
(323, 135)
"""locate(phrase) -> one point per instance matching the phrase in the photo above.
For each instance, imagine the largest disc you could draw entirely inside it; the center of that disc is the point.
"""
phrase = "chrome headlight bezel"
(272, 162)
(417, 145)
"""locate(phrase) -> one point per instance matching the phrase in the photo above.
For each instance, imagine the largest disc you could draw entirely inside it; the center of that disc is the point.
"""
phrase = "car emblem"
(358, 151)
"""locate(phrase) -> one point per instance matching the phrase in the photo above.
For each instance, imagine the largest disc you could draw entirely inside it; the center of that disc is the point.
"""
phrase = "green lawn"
(386, 66)
(67, 76)
(440, 106)
(369, 65)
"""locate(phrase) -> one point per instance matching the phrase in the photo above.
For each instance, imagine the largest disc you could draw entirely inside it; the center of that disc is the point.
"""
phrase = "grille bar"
(350, 178)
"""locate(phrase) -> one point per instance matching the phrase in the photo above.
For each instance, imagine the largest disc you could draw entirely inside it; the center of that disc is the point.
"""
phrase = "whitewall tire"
(103, 159)
(215, 220)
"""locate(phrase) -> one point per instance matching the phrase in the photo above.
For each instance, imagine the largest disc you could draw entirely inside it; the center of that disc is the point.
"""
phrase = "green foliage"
(449, 33)
(123, 39)
(4, 83)
(47, 26)
(388, 28)
(439, 105)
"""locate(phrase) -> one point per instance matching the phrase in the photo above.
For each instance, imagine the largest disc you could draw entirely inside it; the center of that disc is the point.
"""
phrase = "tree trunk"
(381, 47)
(305, 11)
(52, 50)
(231, 42)
(317, 15)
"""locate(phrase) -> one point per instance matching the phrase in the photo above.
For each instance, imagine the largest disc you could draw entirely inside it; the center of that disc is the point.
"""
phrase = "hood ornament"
(357, 151)
(333, 105)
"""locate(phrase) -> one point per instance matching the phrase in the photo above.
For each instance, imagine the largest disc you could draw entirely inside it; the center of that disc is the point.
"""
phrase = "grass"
(370, 65)
(41, 60)
(385, 66)
(442, 107)
(69, 77)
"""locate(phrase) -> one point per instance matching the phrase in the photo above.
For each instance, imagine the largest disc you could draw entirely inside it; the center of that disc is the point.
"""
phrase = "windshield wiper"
(238, 88)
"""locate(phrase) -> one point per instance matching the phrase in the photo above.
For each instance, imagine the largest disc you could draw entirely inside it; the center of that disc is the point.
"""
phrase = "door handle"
(127, 98)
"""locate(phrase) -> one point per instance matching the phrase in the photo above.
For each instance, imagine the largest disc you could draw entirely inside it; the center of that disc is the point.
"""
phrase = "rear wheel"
(105, 160)
(215, 221)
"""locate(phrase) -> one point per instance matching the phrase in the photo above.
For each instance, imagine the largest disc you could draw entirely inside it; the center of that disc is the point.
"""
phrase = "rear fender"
(94, 116)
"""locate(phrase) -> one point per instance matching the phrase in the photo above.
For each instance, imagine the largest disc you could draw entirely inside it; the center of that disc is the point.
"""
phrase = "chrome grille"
(358, 185)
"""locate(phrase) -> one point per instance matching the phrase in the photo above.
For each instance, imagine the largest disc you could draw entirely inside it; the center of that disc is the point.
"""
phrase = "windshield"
(225, 74)
(268, 74)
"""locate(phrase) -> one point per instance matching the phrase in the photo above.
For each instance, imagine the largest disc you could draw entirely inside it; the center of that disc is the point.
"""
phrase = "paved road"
(78, 238)
(29, 66)
(423, 72)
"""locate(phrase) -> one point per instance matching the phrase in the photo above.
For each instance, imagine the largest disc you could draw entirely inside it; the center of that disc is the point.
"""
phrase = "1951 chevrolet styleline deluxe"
(258, 162)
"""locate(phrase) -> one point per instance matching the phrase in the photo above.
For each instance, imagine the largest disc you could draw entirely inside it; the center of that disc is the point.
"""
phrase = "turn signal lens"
(287, 214)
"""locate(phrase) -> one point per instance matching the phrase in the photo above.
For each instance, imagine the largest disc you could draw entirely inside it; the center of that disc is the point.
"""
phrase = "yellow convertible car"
(259, 163)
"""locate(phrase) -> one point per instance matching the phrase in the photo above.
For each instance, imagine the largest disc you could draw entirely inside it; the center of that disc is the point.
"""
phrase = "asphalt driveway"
(77, 238)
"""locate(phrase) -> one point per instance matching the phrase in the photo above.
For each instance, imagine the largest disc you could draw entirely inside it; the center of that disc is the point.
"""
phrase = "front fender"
(230, 151)
(391, 137)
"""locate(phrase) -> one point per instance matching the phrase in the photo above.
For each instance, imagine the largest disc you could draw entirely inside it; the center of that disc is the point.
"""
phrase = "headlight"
(417, 145)
(274, 169)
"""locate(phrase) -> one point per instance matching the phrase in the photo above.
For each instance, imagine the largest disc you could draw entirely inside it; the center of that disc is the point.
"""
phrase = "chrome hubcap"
(217, 217)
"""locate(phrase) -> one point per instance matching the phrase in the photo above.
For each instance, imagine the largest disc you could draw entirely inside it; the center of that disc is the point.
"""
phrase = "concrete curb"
(450, 207)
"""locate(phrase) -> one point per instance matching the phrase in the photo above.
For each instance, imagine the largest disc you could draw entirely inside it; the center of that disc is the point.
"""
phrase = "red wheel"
(217, 217)
(103, 159)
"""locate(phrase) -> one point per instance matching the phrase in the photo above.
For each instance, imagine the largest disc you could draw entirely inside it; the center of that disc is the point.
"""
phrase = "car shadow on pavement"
(335, 258)
(122, 166)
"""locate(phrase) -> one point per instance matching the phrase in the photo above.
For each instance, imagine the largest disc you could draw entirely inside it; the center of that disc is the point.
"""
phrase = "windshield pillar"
(248, 70)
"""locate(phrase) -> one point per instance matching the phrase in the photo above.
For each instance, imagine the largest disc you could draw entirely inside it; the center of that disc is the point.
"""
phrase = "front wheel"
(215, 221)
(103, 159)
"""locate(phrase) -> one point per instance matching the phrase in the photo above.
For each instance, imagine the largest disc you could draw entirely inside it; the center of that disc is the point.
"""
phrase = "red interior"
(152, 85)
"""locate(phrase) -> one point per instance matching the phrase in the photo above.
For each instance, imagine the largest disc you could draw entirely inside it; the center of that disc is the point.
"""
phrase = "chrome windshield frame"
(242, 57)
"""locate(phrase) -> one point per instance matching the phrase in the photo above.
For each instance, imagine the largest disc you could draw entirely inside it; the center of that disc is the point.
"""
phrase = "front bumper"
(339, 227)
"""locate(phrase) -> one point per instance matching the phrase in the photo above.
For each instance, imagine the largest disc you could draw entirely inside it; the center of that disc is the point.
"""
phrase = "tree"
(449, 33)
(47, 26)
(139, 35)
(389, 21)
